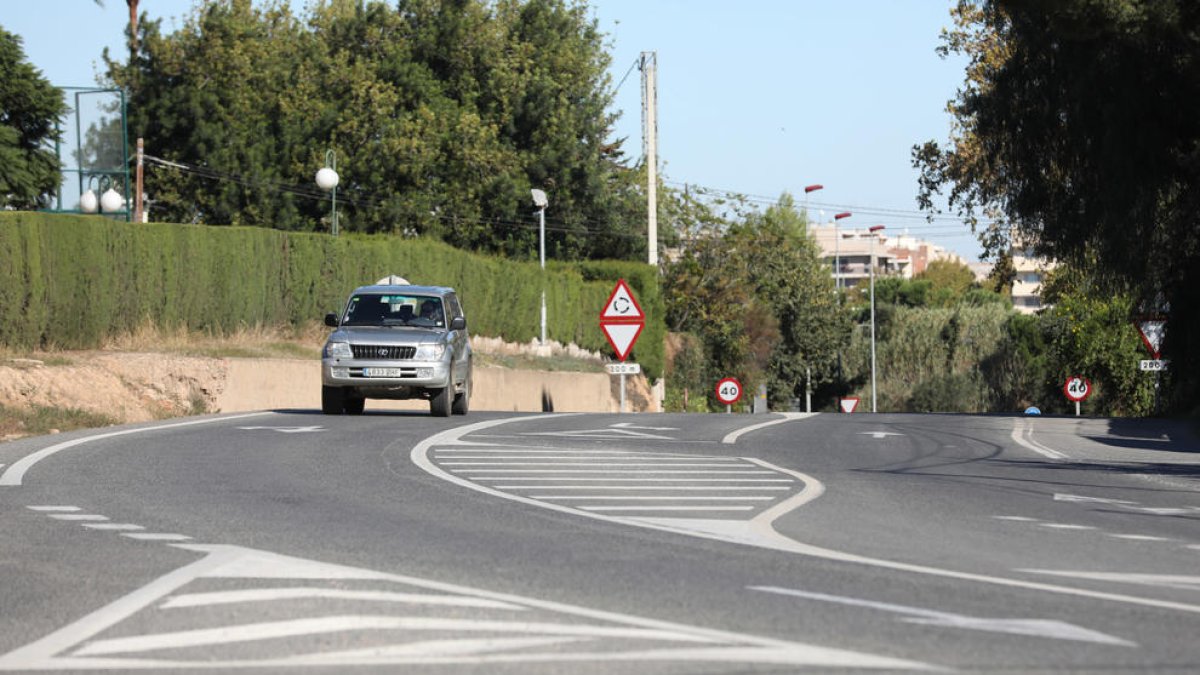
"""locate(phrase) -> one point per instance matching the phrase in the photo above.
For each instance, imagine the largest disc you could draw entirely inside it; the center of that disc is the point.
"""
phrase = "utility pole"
(649, 68)
(138, 196)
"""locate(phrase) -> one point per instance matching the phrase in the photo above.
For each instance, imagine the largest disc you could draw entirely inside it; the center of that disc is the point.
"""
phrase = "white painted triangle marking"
(631, 425)
(1043, 628)
(600, 433)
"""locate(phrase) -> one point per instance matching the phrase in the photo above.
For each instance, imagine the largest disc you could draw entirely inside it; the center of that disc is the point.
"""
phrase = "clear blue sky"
(757, 96)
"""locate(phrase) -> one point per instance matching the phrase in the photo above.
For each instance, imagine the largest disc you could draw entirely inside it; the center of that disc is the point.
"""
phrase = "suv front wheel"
(439, 403)
(333, 400)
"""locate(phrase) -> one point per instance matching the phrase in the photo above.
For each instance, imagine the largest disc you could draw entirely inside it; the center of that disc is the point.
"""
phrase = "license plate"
(383, 372)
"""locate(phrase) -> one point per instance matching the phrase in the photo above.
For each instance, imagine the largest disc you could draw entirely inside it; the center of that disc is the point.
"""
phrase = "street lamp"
(807, 190)
(873, 229)
(110, 201)
(540, 201)
(327, 180)
(837, 257)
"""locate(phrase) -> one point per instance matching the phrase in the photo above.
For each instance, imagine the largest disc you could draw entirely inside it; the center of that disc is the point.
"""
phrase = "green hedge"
(73, 281)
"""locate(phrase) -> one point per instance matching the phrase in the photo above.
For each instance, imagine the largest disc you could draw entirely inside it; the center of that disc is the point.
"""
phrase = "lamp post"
(837, 258)
(807, 190)
(540, 201)
(873, 229)
(110, 201)
(327, 180)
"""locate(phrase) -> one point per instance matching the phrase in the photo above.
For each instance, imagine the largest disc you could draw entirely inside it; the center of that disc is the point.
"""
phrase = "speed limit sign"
(1077, 388)
(729, 390)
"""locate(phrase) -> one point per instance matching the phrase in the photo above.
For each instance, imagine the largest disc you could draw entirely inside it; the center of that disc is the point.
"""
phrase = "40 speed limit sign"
(729, 390)
(1077, 388)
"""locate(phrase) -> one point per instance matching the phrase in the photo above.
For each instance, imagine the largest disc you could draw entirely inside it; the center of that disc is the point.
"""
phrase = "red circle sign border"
(1080, 399)
(723, 381)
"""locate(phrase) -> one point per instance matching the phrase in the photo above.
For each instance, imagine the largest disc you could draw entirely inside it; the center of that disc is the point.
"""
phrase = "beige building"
(1027, 285)
(903, 255)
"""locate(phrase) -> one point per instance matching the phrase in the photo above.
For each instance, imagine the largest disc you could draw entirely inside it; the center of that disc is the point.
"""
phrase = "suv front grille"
(382, 352)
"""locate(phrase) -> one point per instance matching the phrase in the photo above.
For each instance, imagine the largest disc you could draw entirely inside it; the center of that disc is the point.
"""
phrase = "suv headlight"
(338, 350)
(430, 352)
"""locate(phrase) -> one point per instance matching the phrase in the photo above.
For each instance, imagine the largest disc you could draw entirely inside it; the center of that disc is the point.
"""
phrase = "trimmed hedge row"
(73, 281)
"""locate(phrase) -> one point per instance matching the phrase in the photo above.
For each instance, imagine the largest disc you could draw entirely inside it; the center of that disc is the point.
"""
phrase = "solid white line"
(1024, 427)
(336, 624)
(787, 417)
(113, 526)
(1065, 526)
(655, 498)
(646, 480)
(155, 536)
(492, 471)
(577, 458)
(666, 508)
(1019, 519)
(1138, 537)
(16, 473)
(554, 451)
(638, 464)
(295, 593)
(78, 516)
(656, 488)
(45, 509)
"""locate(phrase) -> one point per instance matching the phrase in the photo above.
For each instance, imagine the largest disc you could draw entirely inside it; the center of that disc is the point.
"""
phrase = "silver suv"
(397, 342)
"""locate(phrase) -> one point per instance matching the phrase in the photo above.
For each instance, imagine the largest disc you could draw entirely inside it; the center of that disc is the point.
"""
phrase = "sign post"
(729, 391)
(622, 321)
(1077, 388)
(1152, 328)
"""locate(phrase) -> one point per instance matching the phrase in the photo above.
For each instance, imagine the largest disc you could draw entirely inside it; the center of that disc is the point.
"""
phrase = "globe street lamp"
(873, 229)
(540, 201)
(327, 180)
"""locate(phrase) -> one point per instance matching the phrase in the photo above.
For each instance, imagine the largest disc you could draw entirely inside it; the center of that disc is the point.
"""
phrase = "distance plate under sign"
(623, 368)
(1153, 365)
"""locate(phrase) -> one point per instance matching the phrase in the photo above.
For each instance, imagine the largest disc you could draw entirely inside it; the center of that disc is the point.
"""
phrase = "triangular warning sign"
(621, 305)
(622, 336)
(1152, 331)
(848, 404)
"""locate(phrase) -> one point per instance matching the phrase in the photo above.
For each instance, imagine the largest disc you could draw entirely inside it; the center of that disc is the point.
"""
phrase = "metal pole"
(808, 389)
(872, 322)
(1077, 408)
(622, 392)
(137, 193)
(837, 262)
(542, 256)
(650, 137)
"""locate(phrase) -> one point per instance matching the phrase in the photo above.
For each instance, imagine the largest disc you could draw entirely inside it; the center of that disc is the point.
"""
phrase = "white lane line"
(1065, 526)
(1022, 433)
(337, 624)
(433, 650)
(1138, 537)
(48, 509)
(787, 417)
(673, 473)
(578, 458)
(116, 527)
(516, 449)
(645, 480)
(16, 473)
(1017, 519)
(304, 592)
(657, 488)
(654, 498)
(156, 536)
(78, 516)
(569, 464)
(601, 509)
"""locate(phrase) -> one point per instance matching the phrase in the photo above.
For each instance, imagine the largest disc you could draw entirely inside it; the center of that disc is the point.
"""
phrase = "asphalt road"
(604, 543)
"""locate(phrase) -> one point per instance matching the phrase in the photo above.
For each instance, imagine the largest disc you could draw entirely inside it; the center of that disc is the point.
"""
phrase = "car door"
(460, 340)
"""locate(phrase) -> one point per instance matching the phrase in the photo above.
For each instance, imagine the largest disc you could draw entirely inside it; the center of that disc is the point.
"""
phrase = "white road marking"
(78, 516)
(1184, 581)
(732, 436)
(489, 472)
(296, 593)
(15, 474)
(577, 458)
(609, 434)
(156, 536)
(602, 509)
(631, 425)
(286, 430)
(878, 434)
(1138, 537)
(1059, 497)
(1022, 433)
(1019, 519)
(1065, 526)
(630, 464)
(47, 509)
(654, 498)
(75, 646)
(1131, 506)
(114, 526)
(1043, 628)
(648, 480)
(656, 488)
(755, 532)
(556, 451)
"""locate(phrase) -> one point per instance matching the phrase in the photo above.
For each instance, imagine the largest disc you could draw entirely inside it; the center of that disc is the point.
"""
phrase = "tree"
(948, 280)
(30, 109)
(1078, 125)
(442, 113)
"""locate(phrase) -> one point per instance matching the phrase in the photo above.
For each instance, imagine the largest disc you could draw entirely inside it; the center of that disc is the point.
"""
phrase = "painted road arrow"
(1042, 628)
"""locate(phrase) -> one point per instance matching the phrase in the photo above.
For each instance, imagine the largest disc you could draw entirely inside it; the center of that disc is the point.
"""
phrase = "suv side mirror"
(331, 320)
(458, 323)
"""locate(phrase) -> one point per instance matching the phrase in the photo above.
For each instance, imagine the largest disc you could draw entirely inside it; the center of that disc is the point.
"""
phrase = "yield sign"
(622, 319)
(1152, 331)
(848, 404)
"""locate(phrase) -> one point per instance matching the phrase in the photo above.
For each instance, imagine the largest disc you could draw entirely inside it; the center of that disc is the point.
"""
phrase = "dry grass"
(246, 342)
(38, 420)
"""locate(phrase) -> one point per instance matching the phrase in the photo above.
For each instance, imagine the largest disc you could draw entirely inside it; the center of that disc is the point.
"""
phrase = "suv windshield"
(394, 310)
